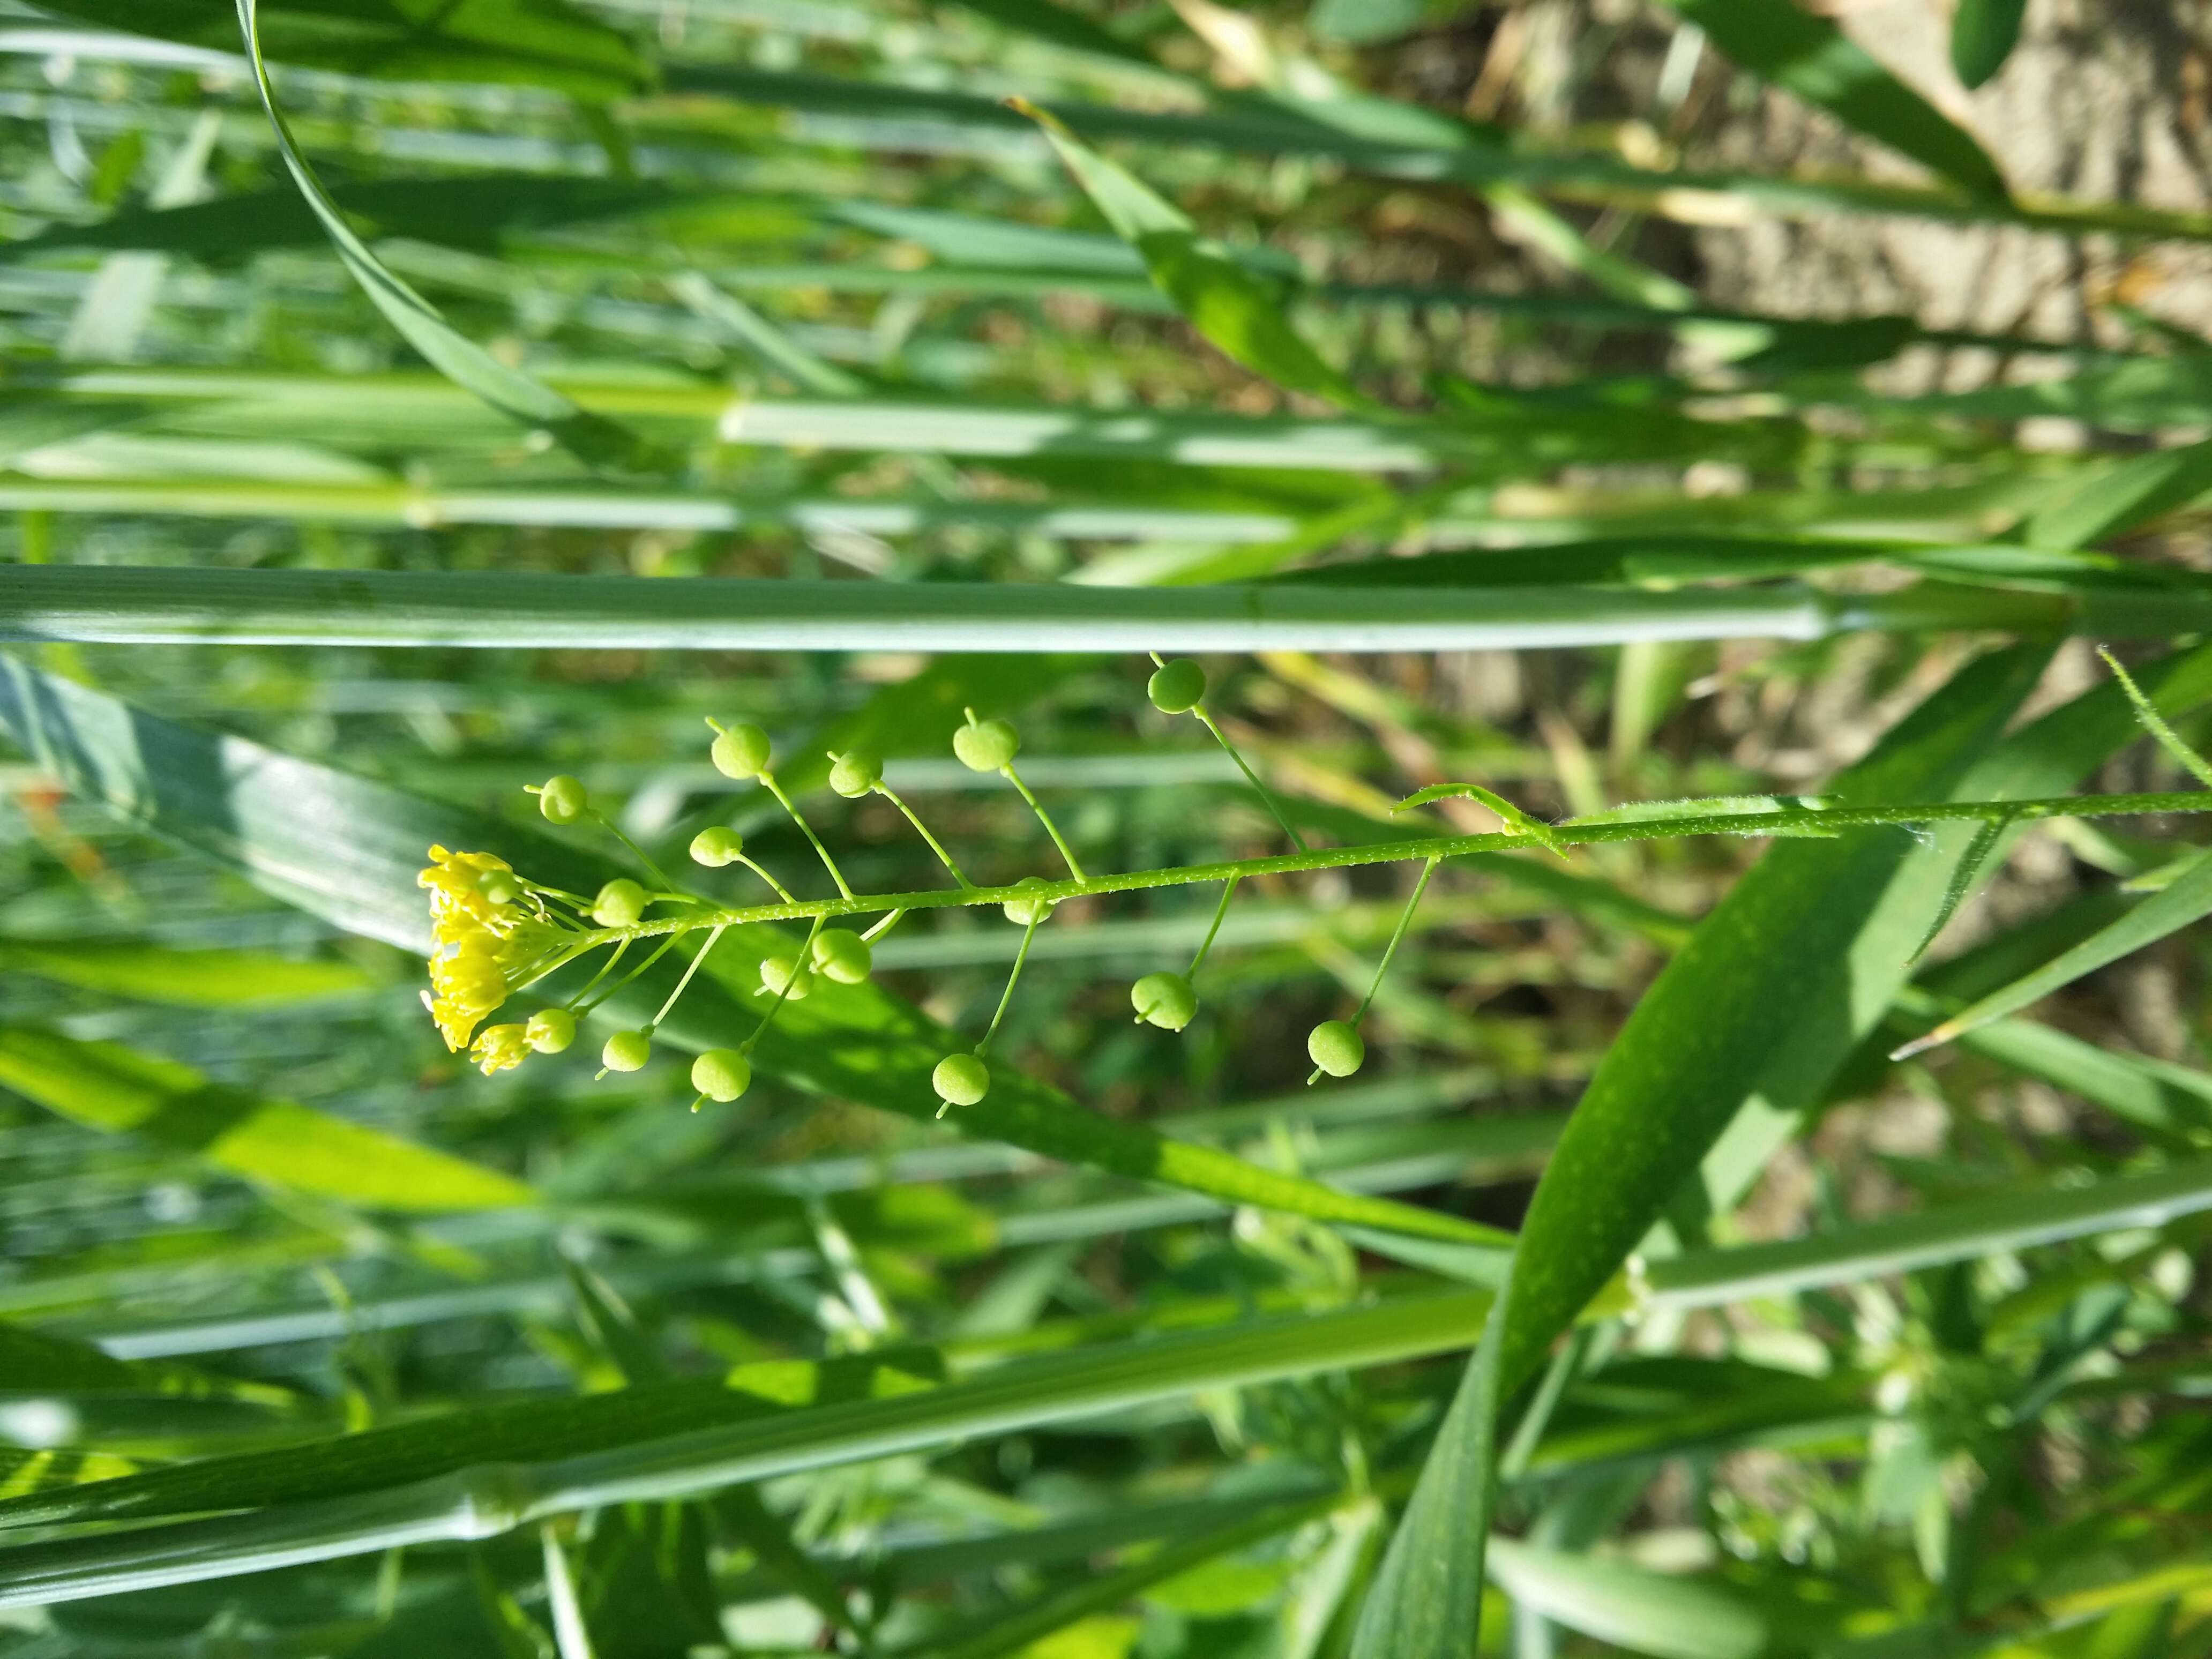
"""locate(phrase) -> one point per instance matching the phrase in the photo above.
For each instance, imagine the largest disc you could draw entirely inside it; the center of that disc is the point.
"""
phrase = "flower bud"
(627, 1051)
(855, 774)
(778, 972)
(961, 1079)
(740, 752)
(1175, 687)
(717, 847)
(562, 799)
(1023, 911)
(551, 1029)
(1336, 1047)
(1164, 1000)
(620, 903)
(843, 955)
(721, 1074)
(987, 745)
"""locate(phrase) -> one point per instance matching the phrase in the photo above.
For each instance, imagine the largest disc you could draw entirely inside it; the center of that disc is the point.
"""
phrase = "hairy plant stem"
(1795, 821)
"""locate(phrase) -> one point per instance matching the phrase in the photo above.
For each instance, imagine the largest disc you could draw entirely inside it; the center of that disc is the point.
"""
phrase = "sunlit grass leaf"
(280, 1143)
(1983, 35)
(347, 850)
(1233, 308)
(592, 438)
(2186, 900)
(2117, 495)
(545, 43)
(1628, 1606)
(186, 978)
(1810, 56)
(44, 1365)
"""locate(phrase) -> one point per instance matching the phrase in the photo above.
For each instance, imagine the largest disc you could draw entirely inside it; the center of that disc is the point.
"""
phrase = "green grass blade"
(1810, 56)
(2186, 900)
(1983, 35)
(1630, 1606)
(593, 439)
(278, 1143)
(184, 978)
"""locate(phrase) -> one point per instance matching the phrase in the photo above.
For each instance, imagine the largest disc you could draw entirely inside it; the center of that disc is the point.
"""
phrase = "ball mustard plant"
(854, 774)
(843, 955)
(740, 751)
(627, 1051)
(1176, 688)
(716, 847)
(985, 745)
(551, 1031)
(782, 976)
(619, 904)
(1023, 911)
(961, 1079)
(721, 1074)
(1336, 1047)
(562, 799)
(1164, 1000)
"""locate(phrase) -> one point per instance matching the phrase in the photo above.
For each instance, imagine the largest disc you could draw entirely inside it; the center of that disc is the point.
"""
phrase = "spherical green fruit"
(500, 886)
(627, 1051)
(987, 745)
(843, 955)
(620, 903)
(717, 847)
(562, 799)
(1023, 911)
(721, 1074)
(778, 972)
(854, 774)
(741, 752)
(1175, 687)
(961, 1079)
(1164, 1000)
(550, 1029)
(1336, 1047)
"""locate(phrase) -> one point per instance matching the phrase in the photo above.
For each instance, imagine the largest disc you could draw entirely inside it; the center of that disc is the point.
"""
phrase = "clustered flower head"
(487, 939)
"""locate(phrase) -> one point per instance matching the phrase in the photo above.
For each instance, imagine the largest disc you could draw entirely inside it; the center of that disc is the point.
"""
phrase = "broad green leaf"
(186, 979)
(1224, 301)
(1983, 35)
(1630, 1606)
(40, 1363)
(545, 43)
(279, 1143)
(1779, 41)
(2187, 899)
(348, 850)
(592, 438)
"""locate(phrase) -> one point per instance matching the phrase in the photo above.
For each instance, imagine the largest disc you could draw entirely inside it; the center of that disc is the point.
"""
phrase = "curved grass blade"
(184, 978)
(1221, 296)
(1810, 56)
(592, 438)
(1630, 1606)
(347, 850)
(279, 1143)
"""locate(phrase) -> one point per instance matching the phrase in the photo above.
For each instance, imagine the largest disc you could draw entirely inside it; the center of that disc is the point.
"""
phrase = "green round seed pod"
(500, 886)
(855, 774)
(551, 1030)
(987, 745)
(1164, 1000)
(1023, 911)
(777, 972)
(961, 1079)
(1336, 1047)
(740, 752)
(721, 1074)
(562, 799)
(843, 956)
(1175, 687)
(620, 903)
(627, 1051)
(717, 847)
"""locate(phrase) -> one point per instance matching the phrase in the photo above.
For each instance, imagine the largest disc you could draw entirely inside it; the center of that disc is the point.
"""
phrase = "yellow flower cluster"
(484, 944)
